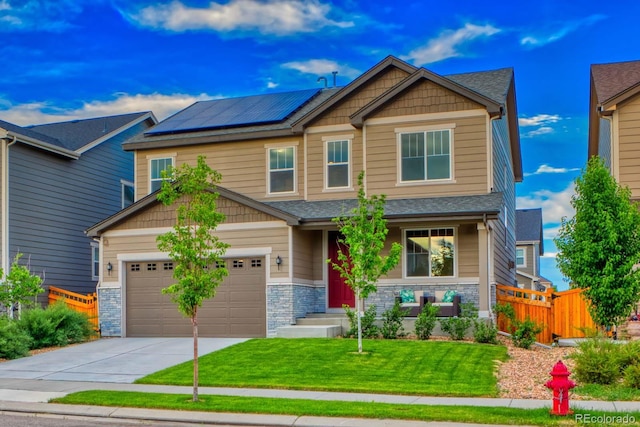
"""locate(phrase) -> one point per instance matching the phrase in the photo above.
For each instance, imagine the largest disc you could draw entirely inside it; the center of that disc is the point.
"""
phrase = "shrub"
(369, 329)
(392, 322)
(14, 341)
(597, 361)
(632, 376)
(457, 327)
(57, 325)
(484, 332)
(525, 333)
(426, 321)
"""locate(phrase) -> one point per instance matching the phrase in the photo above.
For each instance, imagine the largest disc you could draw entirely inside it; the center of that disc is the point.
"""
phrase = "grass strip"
(431, 368)
(305, 407)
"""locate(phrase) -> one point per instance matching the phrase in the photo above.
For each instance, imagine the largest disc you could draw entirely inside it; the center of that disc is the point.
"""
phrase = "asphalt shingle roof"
(25, 131)
(612, 79)
(433, 206)
(75, 134)
(493, 84)
(529, 226)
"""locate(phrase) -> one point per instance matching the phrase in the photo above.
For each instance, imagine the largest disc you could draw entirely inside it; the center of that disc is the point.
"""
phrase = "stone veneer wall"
(286, 302)
(384, 298)
(110, 311)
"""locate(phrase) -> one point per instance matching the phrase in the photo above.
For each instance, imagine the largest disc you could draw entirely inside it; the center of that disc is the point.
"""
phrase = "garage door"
(238, 309)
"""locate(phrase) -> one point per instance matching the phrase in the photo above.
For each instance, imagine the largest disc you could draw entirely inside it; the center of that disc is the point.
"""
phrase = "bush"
(632, 376)
(426, 321)
(598, 361)
(14, 341)
(392, 322)
(525, 333)
(484, 332)
(369, 329)
(57, 325)
(457, 327)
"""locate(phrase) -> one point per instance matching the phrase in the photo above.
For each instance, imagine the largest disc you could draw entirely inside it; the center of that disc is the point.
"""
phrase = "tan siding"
(629, 140)
(426, 97)
(341, 112)
(469, 160)
(303, 254)
(316, 167)
(320, 255)
(243, 164)
(275, 238)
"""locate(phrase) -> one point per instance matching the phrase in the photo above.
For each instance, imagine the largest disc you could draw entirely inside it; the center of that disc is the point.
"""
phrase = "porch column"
(483, 270)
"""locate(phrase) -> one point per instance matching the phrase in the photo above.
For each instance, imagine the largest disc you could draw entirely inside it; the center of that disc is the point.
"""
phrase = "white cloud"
(544, 168)
(542, 38)
(550, 255)
(38, 15)
(277, 17)
(40, 113)
(544, 130)
(539, 120)
(555, 206)
(321, 67)
(449, 43)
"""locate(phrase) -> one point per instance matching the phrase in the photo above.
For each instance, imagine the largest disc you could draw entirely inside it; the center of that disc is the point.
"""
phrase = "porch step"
(309, 331)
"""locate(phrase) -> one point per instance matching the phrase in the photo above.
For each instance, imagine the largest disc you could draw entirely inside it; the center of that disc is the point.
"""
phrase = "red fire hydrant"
(560, 384)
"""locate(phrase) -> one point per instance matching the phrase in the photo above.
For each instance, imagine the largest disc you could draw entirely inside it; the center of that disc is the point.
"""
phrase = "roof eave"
(45, 146)
(142, 118)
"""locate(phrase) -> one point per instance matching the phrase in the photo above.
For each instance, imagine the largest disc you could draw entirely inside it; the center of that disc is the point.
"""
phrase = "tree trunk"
(194, 321)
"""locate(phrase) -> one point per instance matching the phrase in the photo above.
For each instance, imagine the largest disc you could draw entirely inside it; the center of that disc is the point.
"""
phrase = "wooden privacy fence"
(562, 314)
(83, 303)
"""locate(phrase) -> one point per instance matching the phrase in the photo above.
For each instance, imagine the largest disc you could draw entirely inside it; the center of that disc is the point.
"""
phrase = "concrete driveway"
(114, 360)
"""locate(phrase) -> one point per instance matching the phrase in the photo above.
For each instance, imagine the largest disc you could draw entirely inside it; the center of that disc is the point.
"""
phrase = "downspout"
(486, 227)
(7, 141)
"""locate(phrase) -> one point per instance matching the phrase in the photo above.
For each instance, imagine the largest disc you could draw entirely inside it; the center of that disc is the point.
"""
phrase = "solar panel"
(244, 111)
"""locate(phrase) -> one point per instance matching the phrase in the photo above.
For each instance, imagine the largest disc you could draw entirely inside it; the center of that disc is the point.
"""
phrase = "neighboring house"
(444, 149)
(614, 115)
(57, 180)
(529, 249)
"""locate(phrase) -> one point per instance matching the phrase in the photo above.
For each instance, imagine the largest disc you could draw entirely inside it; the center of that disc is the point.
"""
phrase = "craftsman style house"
(56, 180)
(614, 115)
(444, 149)
(529, 249)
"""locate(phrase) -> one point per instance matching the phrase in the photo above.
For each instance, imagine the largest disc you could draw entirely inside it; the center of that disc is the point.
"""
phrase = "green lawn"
(302, 407)
(431, 368)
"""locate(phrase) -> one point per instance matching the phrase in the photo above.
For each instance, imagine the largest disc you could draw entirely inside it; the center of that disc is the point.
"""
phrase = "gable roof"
(529, 227)
(36, 139)
(80, 135)
(615, 82)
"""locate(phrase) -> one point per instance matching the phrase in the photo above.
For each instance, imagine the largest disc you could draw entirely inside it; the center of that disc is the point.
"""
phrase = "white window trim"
(94, 247)
(125, 183)
(295, 169)
(150, 159)
(424, 129)
(405, 254)
(524, 256)
(327, 141)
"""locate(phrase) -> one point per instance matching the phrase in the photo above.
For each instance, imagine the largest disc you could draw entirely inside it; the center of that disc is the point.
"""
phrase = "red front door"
(339, 292)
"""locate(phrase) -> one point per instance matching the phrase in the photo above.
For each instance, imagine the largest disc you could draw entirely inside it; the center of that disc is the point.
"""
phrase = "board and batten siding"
(469, 166)
(242, 164)
(52, 200)
(628, 116)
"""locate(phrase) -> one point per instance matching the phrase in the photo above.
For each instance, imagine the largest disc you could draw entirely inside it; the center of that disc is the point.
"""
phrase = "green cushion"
(448, 296)
(407, 295)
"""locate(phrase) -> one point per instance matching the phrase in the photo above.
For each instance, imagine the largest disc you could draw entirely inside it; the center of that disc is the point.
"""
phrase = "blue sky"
(69, 59)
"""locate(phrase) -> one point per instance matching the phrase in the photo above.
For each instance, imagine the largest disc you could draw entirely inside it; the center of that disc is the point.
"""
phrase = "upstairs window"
(430, 253)
(281, 170)
(95, 261)
(338, 166)
(521, 260)
(156, 167)
(425, 156)
(127, 193)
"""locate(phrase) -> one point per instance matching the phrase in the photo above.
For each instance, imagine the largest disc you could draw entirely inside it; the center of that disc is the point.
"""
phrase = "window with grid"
(156, 167)
(425, 156)
(338, 173)
(430, 252)
(95, 261)
(281, 169)
(520, 257)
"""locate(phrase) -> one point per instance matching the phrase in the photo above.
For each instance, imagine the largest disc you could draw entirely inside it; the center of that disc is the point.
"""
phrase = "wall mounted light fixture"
(109, 268)
(278, 261)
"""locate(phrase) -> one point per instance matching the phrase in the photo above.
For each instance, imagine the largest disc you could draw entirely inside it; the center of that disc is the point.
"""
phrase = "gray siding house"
(58, 179)
(529, 249)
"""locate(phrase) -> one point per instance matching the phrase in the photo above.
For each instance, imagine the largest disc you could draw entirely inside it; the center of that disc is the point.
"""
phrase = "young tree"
(600, 245)
(192, 245)
(363, 234)
(19, 286)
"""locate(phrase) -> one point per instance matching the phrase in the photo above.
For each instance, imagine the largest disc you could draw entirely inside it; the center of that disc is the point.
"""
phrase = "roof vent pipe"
(335, 73)
(324, 79)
